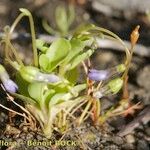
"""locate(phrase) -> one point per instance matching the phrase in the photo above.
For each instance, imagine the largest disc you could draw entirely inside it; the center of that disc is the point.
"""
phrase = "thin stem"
(47, 28)
(117, 37)
(15, 23)
(14, 111)
(85, 111)
(32, 34)
(35, 54)
(74, 110)
(22, 108)
(15, 53)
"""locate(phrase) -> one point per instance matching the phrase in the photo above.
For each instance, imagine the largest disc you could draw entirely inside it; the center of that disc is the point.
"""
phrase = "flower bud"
(32, 74)
(8, 84)
(113, 87)
(52, 78)
(29, 73)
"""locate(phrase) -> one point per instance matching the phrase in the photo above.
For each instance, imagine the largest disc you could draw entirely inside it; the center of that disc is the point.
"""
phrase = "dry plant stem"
(94, 111)
(85, 67)
(14, 111)
(125, 89)
(69, 114)
(22, 108)
(85, 111)
(77, 108)
(15, 53)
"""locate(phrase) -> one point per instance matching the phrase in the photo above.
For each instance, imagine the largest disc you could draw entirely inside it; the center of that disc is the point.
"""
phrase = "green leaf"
(61, 19)
(22, 84)
(76, 47)
(81, 58)
(60, 97)
(60, 88)
(71, 15)
(58, 49)
(36, 90)
(84, 28)
(40, 44)
(48, 95)
(72, 75)
(44, 62)
(77, 89)
(56, 53)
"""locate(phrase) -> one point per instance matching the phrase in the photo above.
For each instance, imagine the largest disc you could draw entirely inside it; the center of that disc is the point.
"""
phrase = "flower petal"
(10, 86)
(98, 75)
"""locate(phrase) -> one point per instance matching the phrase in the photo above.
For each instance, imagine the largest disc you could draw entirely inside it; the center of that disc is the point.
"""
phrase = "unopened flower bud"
(52, 78)
(29, 73)
(32, 74)
(113, 87)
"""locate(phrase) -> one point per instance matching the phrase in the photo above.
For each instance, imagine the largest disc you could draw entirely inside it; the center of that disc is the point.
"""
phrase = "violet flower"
(98, 75)
(8, 84)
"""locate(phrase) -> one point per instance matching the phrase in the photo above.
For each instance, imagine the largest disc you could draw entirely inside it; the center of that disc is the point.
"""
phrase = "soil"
(87, 136)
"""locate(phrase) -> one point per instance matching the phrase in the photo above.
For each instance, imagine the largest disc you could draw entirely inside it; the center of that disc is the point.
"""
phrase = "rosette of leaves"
(54, 101)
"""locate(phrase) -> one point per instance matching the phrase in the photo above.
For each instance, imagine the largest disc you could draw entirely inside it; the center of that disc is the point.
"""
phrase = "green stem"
(32, 34)
(35, 54)
(15, 23)
(118, 38)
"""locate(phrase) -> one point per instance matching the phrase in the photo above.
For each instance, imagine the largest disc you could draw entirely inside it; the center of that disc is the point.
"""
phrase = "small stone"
(130, 138)
(118, 140)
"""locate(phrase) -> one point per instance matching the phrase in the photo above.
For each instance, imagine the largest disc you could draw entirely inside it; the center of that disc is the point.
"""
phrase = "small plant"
(49, 85)
(63, 18)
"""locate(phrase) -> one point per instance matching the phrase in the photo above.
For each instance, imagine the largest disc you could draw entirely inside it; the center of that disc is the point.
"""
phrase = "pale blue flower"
(10, 86)
(98, 75)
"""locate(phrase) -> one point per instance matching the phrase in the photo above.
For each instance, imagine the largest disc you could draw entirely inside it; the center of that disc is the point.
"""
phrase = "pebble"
(118, 140)
(130, 138)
